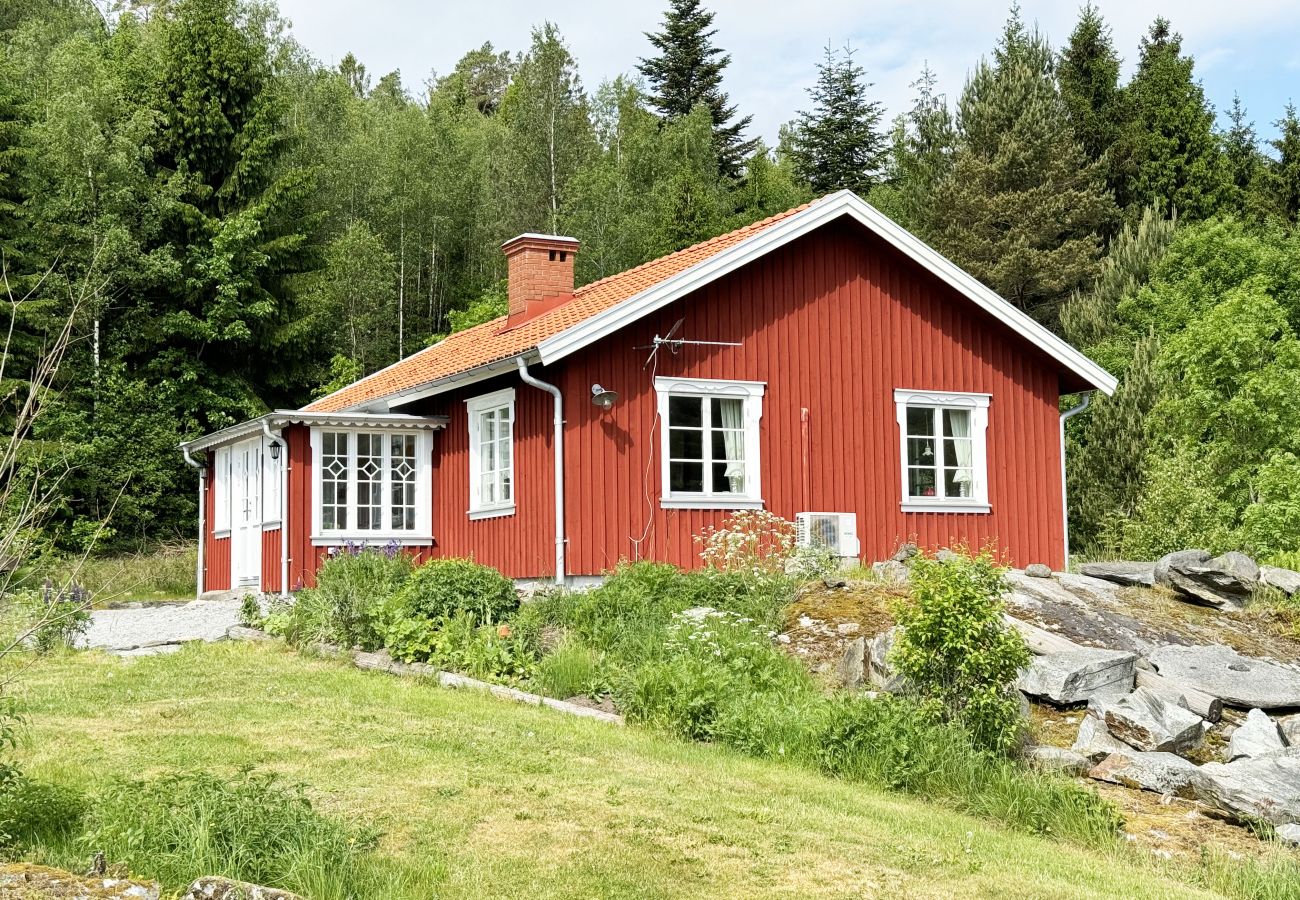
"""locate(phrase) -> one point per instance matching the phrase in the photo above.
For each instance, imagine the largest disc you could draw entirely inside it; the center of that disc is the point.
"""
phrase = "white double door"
(246, 514)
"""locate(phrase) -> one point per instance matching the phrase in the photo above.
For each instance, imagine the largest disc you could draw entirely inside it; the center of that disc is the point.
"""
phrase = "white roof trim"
(819, 213)
(282, 417)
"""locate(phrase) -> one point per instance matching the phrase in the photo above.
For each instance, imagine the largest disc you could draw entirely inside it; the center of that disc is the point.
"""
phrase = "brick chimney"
(540, 270)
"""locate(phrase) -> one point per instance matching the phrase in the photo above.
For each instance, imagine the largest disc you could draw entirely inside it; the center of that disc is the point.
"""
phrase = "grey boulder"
(891, 571)
(1222, 672)
(1095, 742)
(879, 670)
(1058, 759)
(1257, 736)
(1290, 726)
(1038, 570)
(1163, 773)
(1284, 580)
(1264, 787)
(1074, 676)
(213, 887)
(852, 664)
(1289, 833)
(1129, 574)
(1146, 721)
(1223, 582)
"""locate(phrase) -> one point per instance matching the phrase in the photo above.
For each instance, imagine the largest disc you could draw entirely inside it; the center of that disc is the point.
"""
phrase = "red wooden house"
(822, 361)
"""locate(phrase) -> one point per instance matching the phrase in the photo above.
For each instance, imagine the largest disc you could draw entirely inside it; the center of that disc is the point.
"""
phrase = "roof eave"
(659, 295)
(280, 418)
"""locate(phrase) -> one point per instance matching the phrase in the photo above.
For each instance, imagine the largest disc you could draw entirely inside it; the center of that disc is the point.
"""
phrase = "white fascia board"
(451, 382)
(280, 418)
(828, 208)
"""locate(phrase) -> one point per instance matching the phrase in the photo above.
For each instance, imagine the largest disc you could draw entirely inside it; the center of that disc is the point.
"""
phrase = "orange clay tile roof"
(488, 343)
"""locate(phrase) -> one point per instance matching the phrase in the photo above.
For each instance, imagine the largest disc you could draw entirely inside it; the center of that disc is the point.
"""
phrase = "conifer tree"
(688, 72)
(1167, 152)
(1240, 155)
(1023, 208)
(1089, 79)
(921, 153)
(1282, 182)
(838, 143)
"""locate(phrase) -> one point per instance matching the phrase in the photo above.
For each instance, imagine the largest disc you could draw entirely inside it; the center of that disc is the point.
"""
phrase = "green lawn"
(481, 797)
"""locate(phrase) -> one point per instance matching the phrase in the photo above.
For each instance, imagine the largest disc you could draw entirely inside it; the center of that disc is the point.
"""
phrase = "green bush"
(443, 588)
(251, 827)
(460, 644)
(35, 813)
(955, 650)
(345, 606)
(56, 616)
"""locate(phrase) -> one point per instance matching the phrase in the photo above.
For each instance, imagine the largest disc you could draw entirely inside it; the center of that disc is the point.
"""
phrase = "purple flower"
(392, 548)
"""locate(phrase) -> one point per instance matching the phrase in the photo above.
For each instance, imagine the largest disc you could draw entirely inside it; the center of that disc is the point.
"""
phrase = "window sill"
(943, 506)
(709, 503)
(222, 533)
(271, 525)
(494, 513)
(371, 540)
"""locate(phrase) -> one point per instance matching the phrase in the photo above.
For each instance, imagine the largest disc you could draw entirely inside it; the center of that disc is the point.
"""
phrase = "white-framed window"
(371, 485)
(943, 450)
(220, 488)
(709, 449)
(491, 454)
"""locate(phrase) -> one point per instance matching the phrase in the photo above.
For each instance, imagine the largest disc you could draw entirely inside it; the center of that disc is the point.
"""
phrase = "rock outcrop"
(1265, 787)
(1284, 580)
(852, 664)
(879, 671)
(1224, 582)
(1129, 574)
(1257, 736)
(1222, 672)
(1077, 676)
(1095, 742)
(1163, 773)
(212, 887)
(1145, 721)
(26, 880)
(1058, 759)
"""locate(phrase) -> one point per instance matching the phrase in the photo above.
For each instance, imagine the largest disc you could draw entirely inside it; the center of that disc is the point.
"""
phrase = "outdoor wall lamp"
(275, 449)
(603, 398)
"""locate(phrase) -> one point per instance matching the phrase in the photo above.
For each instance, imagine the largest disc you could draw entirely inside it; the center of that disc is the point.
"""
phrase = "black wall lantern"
(275, 450)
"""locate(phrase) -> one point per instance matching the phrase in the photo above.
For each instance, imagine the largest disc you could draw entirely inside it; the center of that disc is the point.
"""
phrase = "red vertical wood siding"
(216, 550)
(832, 323)
(270, 560)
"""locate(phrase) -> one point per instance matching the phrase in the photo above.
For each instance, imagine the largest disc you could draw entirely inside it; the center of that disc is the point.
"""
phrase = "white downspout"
(559, 465)
(1065, 509)
(284, 517)
(203, 518)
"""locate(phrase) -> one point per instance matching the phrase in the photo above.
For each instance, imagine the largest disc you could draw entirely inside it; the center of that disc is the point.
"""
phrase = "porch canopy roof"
(274, 421)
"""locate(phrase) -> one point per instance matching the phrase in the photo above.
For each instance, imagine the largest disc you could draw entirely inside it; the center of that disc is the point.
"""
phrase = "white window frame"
(978, 406)
(221, 484)
(751, 393)
(474, 408)
(423, 531)
(272, 483)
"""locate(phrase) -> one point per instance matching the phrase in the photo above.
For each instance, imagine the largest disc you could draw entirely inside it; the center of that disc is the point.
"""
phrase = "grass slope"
(479, 797)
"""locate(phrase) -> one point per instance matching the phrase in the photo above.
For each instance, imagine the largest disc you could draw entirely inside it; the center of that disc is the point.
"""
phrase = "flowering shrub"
(760, 544)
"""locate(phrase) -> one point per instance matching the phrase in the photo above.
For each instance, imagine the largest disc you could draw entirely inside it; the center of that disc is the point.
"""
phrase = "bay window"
(371, 486)
(943, 450)
(710, 443)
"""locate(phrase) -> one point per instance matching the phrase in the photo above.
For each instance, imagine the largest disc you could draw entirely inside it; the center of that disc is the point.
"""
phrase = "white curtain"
(959, 419)
(733, 419)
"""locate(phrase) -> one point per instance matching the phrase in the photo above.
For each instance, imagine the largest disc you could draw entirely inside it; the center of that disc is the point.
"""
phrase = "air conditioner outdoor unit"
(837, 532)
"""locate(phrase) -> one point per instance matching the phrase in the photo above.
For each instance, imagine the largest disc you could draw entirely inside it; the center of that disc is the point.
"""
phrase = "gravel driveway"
(160, 629)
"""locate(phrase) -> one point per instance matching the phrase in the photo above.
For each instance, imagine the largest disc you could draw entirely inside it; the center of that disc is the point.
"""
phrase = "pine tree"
(1108, 467)
(838, 143)
(1089, 79)
(1023, 208)
(1282, 182)
(1167, 152)
(688, 72)
(548, 134)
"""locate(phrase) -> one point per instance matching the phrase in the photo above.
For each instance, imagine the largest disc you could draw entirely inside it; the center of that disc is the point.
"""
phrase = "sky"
(1250, 47)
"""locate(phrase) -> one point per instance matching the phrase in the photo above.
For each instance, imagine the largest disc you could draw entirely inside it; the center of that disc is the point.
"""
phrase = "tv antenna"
(675, 344)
